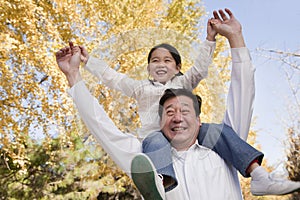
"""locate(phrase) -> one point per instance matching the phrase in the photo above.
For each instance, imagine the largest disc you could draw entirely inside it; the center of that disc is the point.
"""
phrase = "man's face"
(179, 122)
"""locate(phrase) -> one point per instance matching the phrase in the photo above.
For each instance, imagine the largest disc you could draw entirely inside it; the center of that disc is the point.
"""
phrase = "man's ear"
(199, 120)
(178, 67)
(161, 121)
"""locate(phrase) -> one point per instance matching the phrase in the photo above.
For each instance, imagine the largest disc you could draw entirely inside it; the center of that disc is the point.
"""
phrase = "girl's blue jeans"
(219, 137)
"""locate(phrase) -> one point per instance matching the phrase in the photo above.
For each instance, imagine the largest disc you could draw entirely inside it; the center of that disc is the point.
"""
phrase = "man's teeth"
(178, 129)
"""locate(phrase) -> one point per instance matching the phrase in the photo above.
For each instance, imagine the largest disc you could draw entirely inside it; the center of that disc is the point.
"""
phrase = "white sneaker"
(263, 184)
(146, 179)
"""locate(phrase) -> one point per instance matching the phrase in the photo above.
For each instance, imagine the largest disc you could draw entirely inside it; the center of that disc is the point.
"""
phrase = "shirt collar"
(182, 154)
(192, 147)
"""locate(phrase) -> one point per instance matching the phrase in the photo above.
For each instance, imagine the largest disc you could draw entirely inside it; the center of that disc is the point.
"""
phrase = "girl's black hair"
(173, 51)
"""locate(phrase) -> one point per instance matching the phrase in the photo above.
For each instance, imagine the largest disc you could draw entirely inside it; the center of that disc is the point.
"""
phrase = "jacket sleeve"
(120, 146)
(241, 92)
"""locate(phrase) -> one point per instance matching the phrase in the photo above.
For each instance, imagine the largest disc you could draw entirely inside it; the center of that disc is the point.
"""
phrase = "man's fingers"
(229, 12)
(60, 53)
(214, 21)
(73, 49)
(71, 44)
(82, 49)
(223, 15)
(216, 15)
(63, 52)
(76, 49)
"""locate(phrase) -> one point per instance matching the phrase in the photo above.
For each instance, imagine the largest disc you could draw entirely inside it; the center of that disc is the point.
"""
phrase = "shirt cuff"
(210, 43)
(96, 65)
(240, 54)
(76, 86)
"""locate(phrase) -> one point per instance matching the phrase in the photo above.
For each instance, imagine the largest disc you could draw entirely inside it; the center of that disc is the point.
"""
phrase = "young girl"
(164, 63)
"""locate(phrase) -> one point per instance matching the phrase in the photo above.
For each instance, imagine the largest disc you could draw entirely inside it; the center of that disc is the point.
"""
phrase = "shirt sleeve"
(111, 78)
(200, 69)
(241, 92)
(120, 146)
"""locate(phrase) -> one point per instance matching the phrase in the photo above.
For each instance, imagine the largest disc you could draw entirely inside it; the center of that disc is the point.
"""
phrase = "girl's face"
(162, 66)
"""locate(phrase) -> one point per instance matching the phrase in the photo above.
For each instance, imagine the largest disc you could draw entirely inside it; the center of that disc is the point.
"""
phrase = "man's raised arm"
(242, 87)
(121, 147)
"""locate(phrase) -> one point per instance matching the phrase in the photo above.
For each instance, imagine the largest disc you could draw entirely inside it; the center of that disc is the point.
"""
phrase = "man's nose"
(177, 117)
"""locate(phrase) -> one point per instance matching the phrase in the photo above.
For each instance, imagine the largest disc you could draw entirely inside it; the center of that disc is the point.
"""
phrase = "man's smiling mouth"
(178, 129)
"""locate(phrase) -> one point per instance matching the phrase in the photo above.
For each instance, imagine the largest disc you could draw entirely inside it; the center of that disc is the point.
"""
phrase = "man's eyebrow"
(183, 104)
(169, 106)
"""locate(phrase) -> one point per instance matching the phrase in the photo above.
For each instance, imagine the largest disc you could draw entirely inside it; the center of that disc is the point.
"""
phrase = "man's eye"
(185, 111)
(170, 113)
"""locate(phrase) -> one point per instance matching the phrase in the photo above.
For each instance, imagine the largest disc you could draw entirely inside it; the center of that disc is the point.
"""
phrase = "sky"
(268, 24)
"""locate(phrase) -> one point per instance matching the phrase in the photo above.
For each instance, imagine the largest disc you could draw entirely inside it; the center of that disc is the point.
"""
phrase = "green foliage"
(66, 173)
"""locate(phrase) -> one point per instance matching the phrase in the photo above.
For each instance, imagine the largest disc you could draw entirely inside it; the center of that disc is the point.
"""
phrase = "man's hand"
(228, 27)
(63, 57)
(68, 60)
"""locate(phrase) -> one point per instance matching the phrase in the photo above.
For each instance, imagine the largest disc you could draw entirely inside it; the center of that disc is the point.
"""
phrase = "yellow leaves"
(111, 186)
(8, 43)
(122, 32)
(293, 161)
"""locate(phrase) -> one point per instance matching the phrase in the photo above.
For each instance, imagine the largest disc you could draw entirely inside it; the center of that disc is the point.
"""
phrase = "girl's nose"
(161, 65)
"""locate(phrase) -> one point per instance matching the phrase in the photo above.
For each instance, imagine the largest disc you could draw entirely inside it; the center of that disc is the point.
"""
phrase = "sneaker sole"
(142, 173)
(266, 194)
